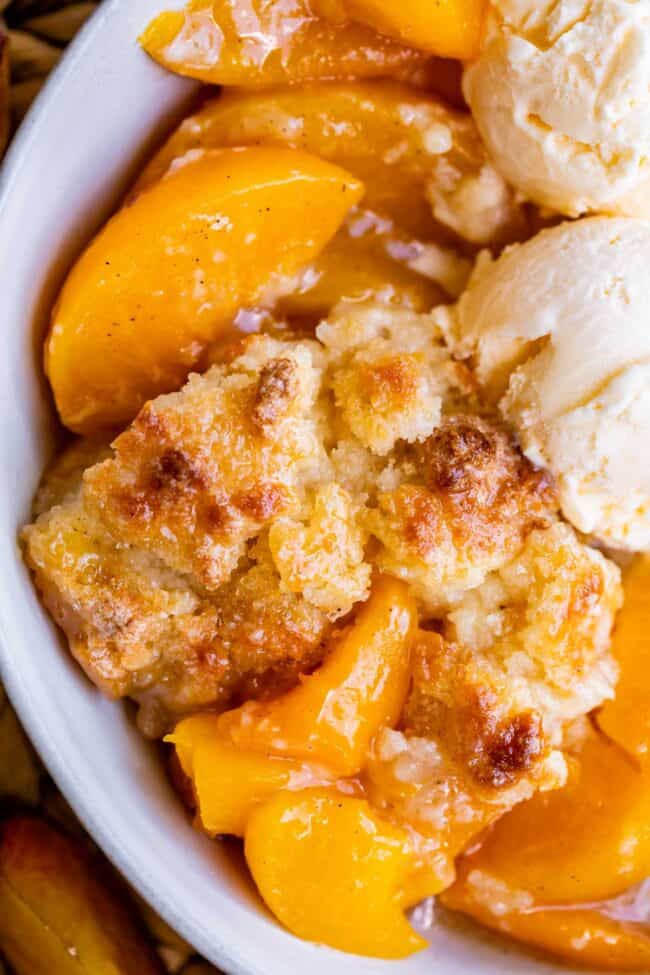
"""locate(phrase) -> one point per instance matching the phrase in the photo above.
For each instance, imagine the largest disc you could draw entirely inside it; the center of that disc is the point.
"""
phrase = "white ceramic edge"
(132, 855)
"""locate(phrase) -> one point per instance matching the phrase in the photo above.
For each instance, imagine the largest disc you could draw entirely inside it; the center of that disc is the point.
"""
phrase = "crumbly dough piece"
(466, 502)
(390, 373)
(143, 631)
(520, 657)
(204, 558)
(546, 619)
(202, 471)
(323, 556)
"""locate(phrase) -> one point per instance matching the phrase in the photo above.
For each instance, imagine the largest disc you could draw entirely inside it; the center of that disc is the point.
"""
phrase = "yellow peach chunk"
(57, 915)
(355, 269)
(375, 130)
(230, 782)
(379, 131)
(226, 42)
(448, 28)
(588, 841)
(626, 719)
(331, 871)
(332, 717)
(166, 275)
(423, 164)
(581, 936)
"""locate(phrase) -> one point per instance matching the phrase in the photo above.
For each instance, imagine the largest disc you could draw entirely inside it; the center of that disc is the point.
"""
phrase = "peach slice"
(588, 841)
(423, 164)
(582, 936)
(332, 717)
(230, 782)
(166, 275)
(555, 871)
(387, 134)
(357, 268)
(331, 871)
(57, 915)
(226, 42)
(626, 719)
(448, 28)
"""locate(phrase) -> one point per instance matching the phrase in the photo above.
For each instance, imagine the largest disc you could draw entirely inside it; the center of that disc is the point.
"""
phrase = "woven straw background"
(33, 36)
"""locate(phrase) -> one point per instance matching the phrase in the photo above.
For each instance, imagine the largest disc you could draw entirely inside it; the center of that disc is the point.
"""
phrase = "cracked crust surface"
(143, 631)
(201, 472)
(519, 658)
(467, 502)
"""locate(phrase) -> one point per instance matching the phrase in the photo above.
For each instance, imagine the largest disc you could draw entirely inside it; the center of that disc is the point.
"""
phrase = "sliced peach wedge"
(57, 916)
(547, 865)
(226, 42)
(355, 268)
(310, 736)
(588, 841)
(447, 28)
(583, 936)
(333, 716)
(375, 130)
(332, 871)
(166, 275)
(423, 163)
(386, 133)
(626, 719)
(230, 782)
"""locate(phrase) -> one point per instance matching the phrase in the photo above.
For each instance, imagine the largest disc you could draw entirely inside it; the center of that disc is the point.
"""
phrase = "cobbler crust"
(205, 556)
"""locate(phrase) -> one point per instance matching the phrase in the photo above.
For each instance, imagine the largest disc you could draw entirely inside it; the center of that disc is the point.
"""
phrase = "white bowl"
(103, 108)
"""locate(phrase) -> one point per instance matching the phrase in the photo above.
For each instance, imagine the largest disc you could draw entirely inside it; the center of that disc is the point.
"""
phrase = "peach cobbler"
(359, 501)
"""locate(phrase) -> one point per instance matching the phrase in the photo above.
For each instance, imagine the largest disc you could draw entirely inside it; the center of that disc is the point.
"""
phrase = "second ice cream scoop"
(561, 96)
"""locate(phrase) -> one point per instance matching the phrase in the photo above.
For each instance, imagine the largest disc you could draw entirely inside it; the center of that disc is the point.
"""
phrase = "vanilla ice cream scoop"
(561, 96)
(558, 330)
